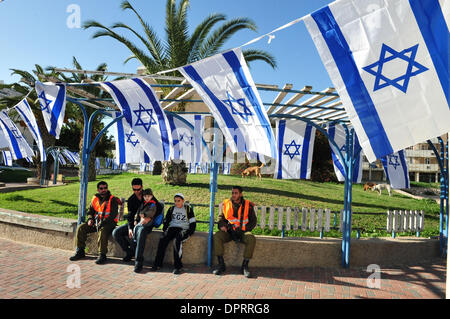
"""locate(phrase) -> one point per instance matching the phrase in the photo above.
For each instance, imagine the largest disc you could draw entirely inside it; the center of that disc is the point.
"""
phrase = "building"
(422, 164)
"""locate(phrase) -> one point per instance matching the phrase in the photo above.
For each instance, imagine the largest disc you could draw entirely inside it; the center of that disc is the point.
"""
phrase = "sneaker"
(128, 257)
(101, 259)
(177, 271)
(137, 267)
(78, 255)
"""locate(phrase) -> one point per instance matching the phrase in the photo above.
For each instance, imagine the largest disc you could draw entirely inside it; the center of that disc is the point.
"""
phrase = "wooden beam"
(294, 99)
(279, 98)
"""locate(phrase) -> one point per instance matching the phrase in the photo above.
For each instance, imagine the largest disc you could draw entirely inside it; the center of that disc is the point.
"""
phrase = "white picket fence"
(405, 220)
(293, 218)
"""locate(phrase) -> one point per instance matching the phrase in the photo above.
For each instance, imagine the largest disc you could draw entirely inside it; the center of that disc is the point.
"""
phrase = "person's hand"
(90, 222)
(224, 228)
(130, 233)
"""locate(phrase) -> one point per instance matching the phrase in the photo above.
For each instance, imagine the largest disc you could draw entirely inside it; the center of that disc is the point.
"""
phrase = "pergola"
(316, 108)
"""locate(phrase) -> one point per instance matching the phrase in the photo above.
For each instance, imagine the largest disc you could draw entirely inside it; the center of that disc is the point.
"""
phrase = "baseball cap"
(179, 195)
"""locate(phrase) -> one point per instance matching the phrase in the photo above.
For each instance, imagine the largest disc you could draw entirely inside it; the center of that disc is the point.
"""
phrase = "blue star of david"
(409, 55)
(393, 160)
(129, 136)
(149, 120)
(186, 139)
(242, 105)
(16, 134)
(46, 101)
(342, 149)
(288, 146)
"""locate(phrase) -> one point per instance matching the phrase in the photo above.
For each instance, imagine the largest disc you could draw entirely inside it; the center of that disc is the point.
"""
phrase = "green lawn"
(62, 201)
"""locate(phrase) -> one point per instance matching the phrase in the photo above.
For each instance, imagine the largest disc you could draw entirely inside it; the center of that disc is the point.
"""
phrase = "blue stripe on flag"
(146, 158)
(121, 140)
(356, 89)
(160, 114)
(384, 161)
(305, 152)
(30, 126)
(356, 148)
(57, 108)
(175, 137)
(432, 25)
(197, 139)
(236, 66)
(126, 111)
(404, 167)
(336, 161)
(224, 113)
(15, 145)
(281, 129)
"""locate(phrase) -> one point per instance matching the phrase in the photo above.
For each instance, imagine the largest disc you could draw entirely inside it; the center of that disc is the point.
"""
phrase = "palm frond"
(216, 40)
(259, 55)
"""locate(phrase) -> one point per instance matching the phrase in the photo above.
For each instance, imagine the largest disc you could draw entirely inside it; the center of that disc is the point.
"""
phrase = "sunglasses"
(136, 189)
(102, 188)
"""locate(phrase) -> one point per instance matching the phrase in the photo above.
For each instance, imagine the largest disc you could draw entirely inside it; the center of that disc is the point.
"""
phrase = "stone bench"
(269, 251)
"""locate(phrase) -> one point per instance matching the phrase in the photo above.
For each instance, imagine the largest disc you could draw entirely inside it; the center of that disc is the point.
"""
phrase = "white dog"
(380, 187)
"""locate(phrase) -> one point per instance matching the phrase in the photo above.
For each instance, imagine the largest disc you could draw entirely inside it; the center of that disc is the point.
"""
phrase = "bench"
(405, 221)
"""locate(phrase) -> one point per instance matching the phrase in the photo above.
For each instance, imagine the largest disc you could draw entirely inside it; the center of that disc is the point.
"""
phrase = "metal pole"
(213, 190)
(349, 201)
(344, 217)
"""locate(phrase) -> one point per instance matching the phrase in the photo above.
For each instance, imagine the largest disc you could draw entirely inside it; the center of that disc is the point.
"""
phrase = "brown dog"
(252, 169)
(369, 185)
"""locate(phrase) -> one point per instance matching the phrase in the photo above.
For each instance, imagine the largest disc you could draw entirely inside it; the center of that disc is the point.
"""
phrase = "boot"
(138, 266)
(220, 269)
(79, 254)
(244, 269)
(129, 256)
(101, 259)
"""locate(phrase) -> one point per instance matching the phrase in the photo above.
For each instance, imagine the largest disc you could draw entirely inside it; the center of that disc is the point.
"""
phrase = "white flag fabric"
(25, 112)
(295, 141)
(4, 145)
(128, 147)
(396, 169)
(187, 141)
(144, 115)
(389, 63)
(52, 98)
(7, 158)
(224, 83)
(16, 142)
(337, 132)
(73, 157)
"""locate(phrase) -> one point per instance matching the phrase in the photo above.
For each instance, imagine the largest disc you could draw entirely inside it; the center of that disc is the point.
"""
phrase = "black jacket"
(133, 205)
(190, 217)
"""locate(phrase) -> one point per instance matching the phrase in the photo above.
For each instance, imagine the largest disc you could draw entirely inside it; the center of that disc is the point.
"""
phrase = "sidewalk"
(28, 271)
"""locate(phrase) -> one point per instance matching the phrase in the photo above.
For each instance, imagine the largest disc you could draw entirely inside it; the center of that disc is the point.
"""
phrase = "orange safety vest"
(100, 210)
(228, 213)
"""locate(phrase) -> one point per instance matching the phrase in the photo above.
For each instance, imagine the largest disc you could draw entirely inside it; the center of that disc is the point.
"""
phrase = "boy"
(179, 224)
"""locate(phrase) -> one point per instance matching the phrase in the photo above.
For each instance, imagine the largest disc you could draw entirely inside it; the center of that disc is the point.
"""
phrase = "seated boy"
(144, 225)
(179, 224)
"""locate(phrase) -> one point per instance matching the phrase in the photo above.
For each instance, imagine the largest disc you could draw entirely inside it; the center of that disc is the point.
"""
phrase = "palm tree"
(23, 87)
(179, 47)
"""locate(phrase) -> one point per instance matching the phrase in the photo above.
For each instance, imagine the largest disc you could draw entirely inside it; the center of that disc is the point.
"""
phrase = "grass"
(62, 201)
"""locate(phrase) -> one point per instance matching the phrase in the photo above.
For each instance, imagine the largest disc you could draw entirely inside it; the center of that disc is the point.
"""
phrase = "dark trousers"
(140, 233)
(120, 234)
(103, 233)
(179, 236)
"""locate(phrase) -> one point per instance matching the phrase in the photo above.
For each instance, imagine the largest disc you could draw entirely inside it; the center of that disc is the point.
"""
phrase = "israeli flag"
(97, 163)
(144, 115)
(389, 63)
(337, 133)
(4, 145)
(295, 141)
(7, 158)
(73, 157)
(187, 140)
(16, 142)
(226, 168)
(25, 112)
(52, 98)
(224, 83)
(128, 146)
(396, 169)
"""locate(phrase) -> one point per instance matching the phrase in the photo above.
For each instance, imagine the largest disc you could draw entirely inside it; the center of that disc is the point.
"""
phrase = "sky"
(38, 32)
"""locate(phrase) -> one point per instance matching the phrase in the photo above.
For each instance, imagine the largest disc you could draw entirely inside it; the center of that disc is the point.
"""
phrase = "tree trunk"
(174, 172)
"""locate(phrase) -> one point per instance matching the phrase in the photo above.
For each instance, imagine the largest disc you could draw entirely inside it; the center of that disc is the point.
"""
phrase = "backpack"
(159, 218)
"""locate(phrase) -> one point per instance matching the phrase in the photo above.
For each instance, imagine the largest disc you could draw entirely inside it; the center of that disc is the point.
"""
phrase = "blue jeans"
(140, 233)
(120, 234)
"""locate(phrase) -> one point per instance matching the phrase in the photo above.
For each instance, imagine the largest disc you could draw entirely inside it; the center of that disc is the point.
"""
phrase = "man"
(179, 225)
(236, 222)
(124, 234)
(102, 218)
